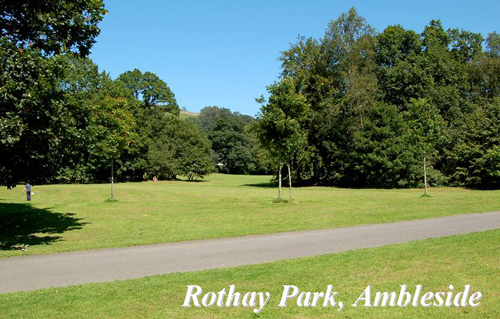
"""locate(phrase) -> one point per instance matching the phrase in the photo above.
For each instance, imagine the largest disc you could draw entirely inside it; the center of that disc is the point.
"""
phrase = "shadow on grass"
(263, 185)
(24, 225)
(185, 179)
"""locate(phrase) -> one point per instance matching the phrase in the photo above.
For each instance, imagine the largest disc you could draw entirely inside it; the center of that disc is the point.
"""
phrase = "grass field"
(472, 259)
(77, 217)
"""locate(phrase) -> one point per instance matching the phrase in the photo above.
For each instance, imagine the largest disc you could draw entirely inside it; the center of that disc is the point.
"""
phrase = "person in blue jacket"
(27, 187)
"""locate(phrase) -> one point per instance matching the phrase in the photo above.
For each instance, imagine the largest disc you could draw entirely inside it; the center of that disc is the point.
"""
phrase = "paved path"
(35, 272)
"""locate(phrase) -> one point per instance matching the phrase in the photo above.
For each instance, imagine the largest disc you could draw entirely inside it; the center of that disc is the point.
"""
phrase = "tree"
(351, 40)
(493, 44)
(278, 126)
(210, 114)
(85, 89)
(484, 74)
(400, 70)
(81, 83)
(233, 144)
(424, 130)
(53, 26)
(150, 90)
(36, 118)
(111, 130)
(33, 115)
(177, 147)
(359, 86)
(475, 156)
(381, 156)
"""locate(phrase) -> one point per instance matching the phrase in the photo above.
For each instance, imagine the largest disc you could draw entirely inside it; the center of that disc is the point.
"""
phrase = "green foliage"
(476, 153)
(235, 147)
(110, 128)
(381, 103)
(380, 156)
(150, 90)
(231, 145)
(53, 26)
(279, 123)
(424, 125)
(493, 44)
(177, 148)
(102, 125)
(33, 115)
(41, 126)
(353, 108)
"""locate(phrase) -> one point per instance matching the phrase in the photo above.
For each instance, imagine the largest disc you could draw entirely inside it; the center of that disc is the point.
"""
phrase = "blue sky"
(225, 53)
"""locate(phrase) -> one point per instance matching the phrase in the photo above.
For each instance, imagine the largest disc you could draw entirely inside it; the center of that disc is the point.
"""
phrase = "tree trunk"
(290, 182)
(279, 182)
(425, 176)
(112, 182)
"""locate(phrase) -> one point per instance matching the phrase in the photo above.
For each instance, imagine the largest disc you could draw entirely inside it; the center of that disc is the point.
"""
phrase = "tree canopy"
(355, 107)
(53, 26)
(379, 104)
(150, 90)
(235, 147)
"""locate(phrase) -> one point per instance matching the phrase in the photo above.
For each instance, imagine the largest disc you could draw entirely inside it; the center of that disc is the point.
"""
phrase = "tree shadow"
(23, 225)
(263, 185)
(192, 180)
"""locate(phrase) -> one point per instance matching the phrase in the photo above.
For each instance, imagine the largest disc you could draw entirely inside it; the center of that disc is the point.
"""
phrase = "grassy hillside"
(186, 114)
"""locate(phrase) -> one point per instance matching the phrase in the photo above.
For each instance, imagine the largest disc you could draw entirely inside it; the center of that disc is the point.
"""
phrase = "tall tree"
(85, 89)
(493, 44)
(111, 130)
(34, 113)
(53, 26)
(279, 126)
(177, 148)
(231, 145)
(150, 90)
(360, 85)
(425, 126)
(236, 148)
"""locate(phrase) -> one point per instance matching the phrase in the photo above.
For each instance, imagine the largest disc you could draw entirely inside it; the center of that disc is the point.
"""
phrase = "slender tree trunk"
(112, 182)
(290, 182)
(279, 182)
(425, 176)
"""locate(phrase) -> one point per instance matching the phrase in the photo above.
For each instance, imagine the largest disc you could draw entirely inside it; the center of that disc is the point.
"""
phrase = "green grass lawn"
(76, 217)
(472, 259)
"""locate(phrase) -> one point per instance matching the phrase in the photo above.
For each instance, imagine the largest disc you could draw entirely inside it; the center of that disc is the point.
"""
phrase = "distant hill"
(186, 114)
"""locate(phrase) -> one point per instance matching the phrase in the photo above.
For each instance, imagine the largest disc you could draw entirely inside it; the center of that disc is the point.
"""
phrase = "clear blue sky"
(224, 52)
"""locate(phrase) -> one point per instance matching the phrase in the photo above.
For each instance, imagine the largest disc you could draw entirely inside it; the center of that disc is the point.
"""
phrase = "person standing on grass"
(27, 188)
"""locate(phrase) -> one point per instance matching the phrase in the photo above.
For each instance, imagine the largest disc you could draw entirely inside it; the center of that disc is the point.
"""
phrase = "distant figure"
(155, 179)
(27, 188)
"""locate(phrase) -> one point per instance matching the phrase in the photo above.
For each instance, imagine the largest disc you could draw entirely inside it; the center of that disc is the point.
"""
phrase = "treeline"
(353, 108)
(64, 121)
(235, 148)
(71, 123)
(88, 124)
(359, 108)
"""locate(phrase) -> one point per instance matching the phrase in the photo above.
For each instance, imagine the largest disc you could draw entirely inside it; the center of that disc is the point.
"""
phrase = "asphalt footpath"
(103, 265)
